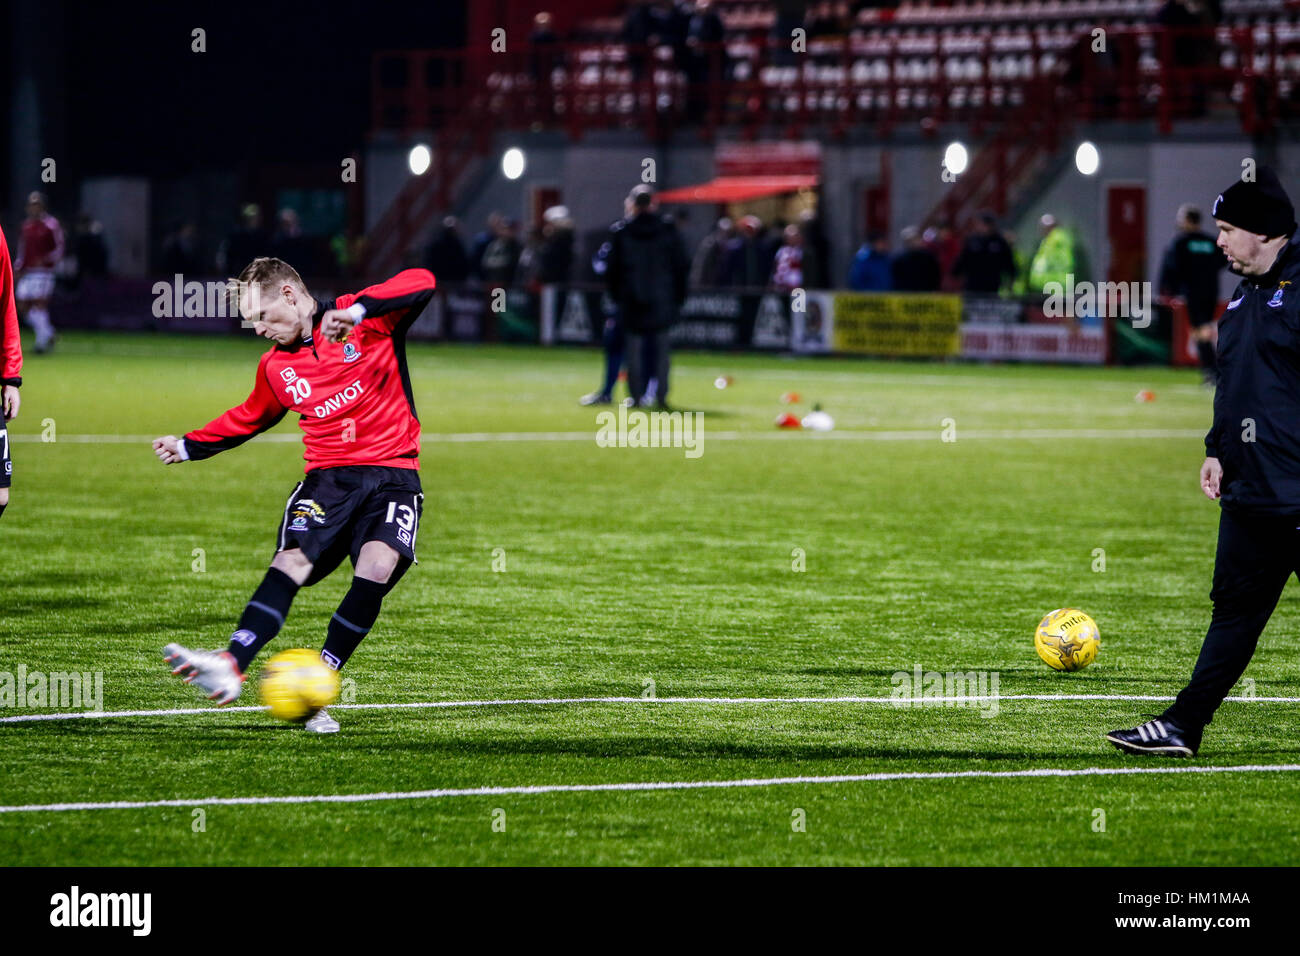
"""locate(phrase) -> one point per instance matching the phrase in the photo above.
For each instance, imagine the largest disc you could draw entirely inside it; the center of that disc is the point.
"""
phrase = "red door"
(1126, 233)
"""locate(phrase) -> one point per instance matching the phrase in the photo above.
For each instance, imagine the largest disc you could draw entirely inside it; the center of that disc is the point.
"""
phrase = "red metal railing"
(880, 79)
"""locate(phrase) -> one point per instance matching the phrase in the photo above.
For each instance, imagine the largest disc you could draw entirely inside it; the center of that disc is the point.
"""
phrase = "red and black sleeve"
(260, 411)
(11, 349)
(394, 305)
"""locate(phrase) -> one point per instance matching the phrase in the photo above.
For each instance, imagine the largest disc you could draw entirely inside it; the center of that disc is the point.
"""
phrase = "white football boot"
(322, 723)
(213, 672)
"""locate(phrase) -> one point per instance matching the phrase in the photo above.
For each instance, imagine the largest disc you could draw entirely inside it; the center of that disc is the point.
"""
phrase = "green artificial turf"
(630, 571)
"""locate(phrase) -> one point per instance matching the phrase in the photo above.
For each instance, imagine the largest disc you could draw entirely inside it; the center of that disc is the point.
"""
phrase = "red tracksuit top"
(11, 349)
(353, 398)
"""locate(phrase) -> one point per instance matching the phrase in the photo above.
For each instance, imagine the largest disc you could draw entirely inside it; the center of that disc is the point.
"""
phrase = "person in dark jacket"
(555, 257)
(646, 278)
(915, 269)
(1252, 457)
(1190, 269)
(742, 256)
(985, 260)
(446, 257)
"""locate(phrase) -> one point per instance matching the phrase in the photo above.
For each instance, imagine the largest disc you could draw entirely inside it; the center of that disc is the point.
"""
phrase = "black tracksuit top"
(1256, 430)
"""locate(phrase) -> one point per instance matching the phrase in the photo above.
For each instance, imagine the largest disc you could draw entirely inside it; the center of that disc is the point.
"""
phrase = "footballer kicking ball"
(295, 684)
(1067, 640)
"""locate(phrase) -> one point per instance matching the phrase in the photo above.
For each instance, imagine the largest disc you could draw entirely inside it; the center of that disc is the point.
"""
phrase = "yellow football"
(1067, 640)
(295, 684)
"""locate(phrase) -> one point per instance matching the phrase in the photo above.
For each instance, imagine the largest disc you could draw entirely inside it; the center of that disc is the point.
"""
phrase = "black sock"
(263, 617)
(3, 507)
(353, 620)
(1206, 352)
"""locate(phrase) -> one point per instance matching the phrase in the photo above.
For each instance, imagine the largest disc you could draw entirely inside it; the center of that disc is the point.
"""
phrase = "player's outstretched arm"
(260, 411)
(392, 306)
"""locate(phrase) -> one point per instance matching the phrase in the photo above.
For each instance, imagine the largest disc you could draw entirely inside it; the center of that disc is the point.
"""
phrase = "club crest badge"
(350, 352)
(1276, 301)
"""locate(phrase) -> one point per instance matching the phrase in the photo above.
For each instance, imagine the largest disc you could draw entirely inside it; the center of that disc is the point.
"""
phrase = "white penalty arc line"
(974, 434)
(899, 702)
(1044, 772)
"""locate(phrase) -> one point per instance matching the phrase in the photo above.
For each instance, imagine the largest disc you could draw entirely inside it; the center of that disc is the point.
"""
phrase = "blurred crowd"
(984, 262)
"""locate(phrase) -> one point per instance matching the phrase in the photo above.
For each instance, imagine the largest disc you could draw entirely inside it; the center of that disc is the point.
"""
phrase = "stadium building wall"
(594, 174)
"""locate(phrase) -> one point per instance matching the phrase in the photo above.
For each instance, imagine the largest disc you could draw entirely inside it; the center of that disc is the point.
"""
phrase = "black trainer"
(1157, 736)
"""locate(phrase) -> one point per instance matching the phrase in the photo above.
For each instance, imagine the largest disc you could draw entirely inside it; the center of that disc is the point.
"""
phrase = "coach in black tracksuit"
(1252, 462)
(646, 277)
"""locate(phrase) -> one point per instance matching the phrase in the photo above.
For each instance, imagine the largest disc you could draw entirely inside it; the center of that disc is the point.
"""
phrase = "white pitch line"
(901, 703)
(651, 785)
(927, 434)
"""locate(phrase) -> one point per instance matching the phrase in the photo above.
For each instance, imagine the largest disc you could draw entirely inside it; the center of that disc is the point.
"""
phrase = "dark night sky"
(280, 81)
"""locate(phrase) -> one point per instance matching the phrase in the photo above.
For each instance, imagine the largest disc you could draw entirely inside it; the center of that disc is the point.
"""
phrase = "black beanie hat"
(1261, 206)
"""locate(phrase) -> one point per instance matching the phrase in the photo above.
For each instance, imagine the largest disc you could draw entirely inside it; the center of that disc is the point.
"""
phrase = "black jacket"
(1190, 268)
(1256, 430)
(647, 272)
(985, 259)
(916, 270)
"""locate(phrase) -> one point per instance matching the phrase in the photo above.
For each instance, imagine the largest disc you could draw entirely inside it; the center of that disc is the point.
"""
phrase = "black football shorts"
(6, 463)
(334, 511)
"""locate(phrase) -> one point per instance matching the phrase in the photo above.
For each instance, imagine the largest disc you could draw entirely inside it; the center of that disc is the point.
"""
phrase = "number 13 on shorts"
(404, 517)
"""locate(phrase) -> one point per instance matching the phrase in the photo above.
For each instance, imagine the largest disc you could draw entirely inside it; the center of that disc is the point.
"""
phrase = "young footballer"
(39, 253)
(341, 367)
(11, 364)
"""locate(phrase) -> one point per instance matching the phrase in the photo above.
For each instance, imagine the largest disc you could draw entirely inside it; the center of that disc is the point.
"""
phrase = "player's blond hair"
(265, 274)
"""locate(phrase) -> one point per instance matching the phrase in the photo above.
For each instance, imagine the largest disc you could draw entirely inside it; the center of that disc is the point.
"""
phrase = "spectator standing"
(555, 258)
(446, 257)
(872, 270)
(481, 241)
(916, 268)
(706, 61)
(788, 264)
(985, 261)
(501, 257)
(706, 266)
(545, 58)
(817, 250)
(742, 261)
(647, 280)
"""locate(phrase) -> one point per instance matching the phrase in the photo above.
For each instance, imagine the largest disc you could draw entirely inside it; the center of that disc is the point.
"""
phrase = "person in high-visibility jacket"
(1057, 257)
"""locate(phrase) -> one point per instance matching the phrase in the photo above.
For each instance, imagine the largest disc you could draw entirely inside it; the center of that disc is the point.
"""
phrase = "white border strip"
(654, 785)
(902, 703)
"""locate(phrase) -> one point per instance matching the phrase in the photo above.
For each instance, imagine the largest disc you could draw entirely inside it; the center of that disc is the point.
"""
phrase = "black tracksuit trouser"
(1252, 564)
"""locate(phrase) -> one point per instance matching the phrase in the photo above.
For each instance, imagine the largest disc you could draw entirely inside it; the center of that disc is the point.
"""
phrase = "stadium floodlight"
(1086, 158)
(955, 158)
(419, 159)
(512, 163)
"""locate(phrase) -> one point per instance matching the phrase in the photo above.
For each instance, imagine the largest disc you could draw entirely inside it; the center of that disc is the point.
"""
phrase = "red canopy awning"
(737, 188)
